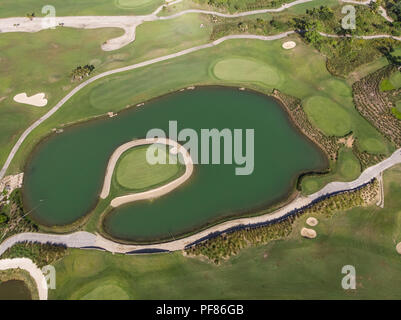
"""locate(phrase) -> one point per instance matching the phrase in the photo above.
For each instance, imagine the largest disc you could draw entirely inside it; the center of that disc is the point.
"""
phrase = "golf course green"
(65, 173)
(246, 70)
(134, 172)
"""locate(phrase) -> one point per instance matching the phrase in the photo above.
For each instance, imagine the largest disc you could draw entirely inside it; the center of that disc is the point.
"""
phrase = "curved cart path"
(147, 63)
(91, 241)
(85, 239)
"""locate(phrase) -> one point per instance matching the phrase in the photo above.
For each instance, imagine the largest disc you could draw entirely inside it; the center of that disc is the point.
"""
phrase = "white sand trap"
(289, 45)
(308, 233)
(398, 247)
(37, 100)
(312, 221)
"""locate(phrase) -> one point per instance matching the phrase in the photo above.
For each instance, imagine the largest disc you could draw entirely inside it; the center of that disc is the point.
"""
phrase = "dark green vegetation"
(374, 104)
(14, 290)
(397, 110)
(226, 245)
(364, 237)
(15, 219)
(41, 254)
(80, 73)
(393, 8)
(241, 5)
(344, 55)
(67, 174)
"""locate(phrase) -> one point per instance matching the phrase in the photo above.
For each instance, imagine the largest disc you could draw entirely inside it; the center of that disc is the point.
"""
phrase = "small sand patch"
(312, 221)
(308, 233)
(289, 45)
(398, 247)
(37, 100)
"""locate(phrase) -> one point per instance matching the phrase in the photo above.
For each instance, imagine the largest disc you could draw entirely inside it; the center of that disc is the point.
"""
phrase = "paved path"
(85, 239)
(91, 22)
(156, 192)
(123, 69)
(28, 265)
(130, 23)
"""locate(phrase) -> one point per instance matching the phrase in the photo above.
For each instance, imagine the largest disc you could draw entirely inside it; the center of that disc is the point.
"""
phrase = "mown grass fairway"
(347, 168)
(392, 83)
(11, 8)
(53, 54)
(328, 116)
(134, 172)
(239, 69)
(362, 237)
(386, 85)
(106, 292)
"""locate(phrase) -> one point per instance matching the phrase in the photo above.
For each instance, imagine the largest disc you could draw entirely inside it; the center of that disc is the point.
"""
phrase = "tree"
(81, 72)
(30, 16)
(3, 218)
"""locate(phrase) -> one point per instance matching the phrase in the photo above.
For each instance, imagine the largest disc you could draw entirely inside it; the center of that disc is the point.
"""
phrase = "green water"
(14, 290)
(64, 176)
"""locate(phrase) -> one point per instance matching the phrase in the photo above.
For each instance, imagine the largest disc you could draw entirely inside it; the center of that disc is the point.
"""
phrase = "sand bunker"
(37, 100)
(398, 247)
(312, 221)
(308, 233)
(289, 45)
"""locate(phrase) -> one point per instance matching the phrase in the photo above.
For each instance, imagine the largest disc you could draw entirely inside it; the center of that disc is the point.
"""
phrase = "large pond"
(64, 175)
(14, 290)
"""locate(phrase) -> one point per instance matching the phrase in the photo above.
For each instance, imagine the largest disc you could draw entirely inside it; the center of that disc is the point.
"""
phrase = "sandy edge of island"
(154, 193)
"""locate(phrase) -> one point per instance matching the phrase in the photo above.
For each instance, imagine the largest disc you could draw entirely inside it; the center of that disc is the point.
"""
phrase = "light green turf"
(347, 168)
(134, 171)
(240, 69)
(391, 83)
(20, 8)
(295, 268)
(106, 292)
(386, 85)
(328, 116)
(398, 105)
(395, 79)
(372, 144)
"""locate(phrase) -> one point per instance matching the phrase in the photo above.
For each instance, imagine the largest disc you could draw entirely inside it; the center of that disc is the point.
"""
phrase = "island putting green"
(134, 172)
(68, 174)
